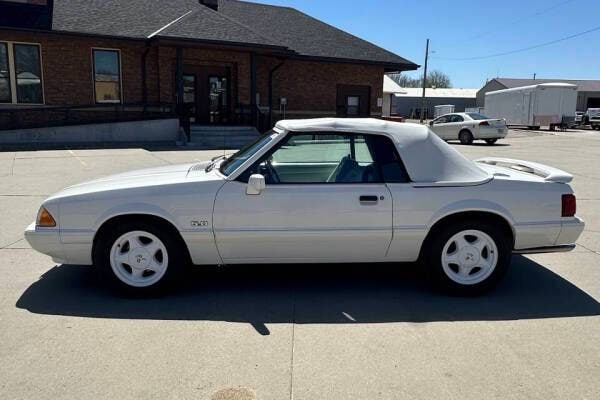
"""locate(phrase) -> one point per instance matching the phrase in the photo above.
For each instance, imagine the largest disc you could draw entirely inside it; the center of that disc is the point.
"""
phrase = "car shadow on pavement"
(306, 294)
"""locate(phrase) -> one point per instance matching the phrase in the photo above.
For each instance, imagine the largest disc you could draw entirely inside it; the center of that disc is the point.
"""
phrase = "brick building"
(214, 61)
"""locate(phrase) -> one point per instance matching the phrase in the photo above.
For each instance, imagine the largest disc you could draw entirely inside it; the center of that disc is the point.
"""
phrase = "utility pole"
(424, 81)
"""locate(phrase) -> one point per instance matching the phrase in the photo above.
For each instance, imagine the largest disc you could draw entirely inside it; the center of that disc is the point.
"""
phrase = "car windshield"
(232, 163)
(477, 116)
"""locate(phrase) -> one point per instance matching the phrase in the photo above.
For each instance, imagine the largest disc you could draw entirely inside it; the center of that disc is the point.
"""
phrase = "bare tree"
(435, 78)
(438, 79)
(405, 81)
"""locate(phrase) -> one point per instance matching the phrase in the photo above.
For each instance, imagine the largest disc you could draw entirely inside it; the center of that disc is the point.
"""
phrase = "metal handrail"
(23, 117)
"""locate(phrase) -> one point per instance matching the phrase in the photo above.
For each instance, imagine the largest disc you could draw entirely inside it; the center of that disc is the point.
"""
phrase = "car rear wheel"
(139, 258)
(491, 141)
(468, 258)
(465, 137)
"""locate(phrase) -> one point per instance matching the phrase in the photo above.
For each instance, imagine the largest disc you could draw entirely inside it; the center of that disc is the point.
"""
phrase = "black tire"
(491, 141)
(176, 254)
(434, 247)
(465, 136)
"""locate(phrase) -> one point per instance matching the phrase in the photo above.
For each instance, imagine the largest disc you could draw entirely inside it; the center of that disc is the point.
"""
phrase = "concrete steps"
(221, 137)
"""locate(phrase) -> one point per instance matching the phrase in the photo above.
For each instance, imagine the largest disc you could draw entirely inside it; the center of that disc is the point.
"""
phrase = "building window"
(107, 76)
(28, 73)
(5, 96)
(352, 106)
(20, 73)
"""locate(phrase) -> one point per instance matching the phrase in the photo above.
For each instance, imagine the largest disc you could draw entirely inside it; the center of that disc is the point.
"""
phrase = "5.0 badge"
(197, 224)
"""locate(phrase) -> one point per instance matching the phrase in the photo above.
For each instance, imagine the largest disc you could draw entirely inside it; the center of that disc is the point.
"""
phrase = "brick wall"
(67, 66)
(311, 87)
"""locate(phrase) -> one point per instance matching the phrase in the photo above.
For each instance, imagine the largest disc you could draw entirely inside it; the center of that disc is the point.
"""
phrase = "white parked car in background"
(469, 126)
(593, 117)
(316, 191)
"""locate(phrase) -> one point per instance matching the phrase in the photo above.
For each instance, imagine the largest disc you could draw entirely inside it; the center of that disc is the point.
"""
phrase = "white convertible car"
(316, 191)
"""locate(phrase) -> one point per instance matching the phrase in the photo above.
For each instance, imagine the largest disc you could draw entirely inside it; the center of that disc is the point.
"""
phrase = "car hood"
(149, 177)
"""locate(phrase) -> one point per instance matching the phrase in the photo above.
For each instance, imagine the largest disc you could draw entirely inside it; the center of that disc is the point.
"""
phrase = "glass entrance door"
(218, 100)
(189, 96)
(207, 94)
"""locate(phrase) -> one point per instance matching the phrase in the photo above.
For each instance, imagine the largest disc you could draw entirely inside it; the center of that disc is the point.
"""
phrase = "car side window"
(441, 120)
(456, 118)
(324, 158)
(317, 158)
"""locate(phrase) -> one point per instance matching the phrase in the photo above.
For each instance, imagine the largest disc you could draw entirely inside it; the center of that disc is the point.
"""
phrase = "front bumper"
(46, 241)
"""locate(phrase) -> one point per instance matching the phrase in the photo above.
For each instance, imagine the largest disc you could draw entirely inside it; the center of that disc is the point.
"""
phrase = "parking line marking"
(78, 158)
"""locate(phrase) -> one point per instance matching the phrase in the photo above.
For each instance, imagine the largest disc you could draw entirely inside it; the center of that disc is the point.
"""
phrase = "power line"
(518, 20)
(522, 49)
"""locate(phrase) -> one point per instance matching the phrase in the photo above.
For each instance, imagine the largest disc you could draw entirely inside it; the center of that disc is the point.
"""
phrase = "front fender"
(199, 240)
(134, 208)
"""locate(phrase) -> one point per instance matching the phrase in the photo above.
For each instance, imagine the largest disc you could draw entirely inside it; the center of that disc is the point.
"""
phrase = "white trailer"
(546, 104)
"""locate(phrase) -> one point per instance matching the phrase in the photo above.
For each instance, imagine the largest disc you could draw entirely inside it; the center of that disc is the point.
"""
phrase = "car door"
(324, 201)
(439, 126)
(455, 124)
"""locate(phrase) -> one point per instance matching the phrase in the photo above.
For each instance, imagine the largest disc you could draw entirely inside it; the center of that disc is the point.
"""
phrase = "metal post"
(145, 77)
(184, 120)
(179, 73)
(253, 88)
(271, 73)
(424, 80)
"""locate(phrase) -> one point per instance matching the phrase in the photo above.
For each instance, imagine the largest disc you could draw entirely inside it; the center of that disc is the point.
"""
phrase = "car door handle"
(368, 199)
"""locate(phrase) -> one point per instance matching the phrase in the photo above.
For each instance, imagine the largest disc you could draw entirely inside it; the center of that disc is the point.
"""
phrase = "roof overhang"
(388, 66)
(234, 46)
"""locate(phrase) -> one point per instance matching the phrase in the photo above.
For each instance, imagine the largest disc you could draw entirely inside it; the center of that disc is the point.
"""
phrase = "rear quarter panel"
(533, 209)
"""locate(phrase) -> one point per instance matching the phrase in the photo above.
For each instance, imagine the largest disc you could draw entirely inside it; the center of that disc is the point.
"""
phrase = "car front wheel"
(468, 258)
(139, 257)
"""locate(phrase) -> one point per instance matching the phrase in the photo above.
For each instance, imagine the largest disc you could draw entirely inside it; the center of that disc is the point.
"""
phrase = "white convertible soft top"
(428, 159)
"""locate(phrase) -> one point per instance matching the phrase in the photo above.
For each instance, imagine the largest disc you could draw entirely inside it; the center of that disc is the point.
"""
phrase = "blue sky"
(467, 28)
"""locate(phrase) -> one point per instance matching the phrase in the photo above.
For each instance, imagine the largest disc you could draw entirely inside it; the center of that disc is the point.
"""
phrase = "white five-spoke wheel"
(469, 257)
(139, 258)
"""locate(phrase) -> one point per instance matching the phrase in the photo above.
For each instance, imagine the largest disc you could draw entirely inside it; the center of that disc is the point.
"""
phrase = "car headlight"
(45, 219)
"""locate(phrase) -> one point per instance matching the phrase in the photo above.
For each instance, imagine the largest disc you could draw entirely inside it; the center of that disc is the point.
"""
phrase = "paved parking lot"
(320, 332)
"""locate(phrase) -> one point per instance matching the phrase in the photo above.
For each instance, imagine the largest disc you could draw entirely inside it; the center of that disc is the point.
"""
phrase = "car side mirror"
(256, 184)
(430, 123)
